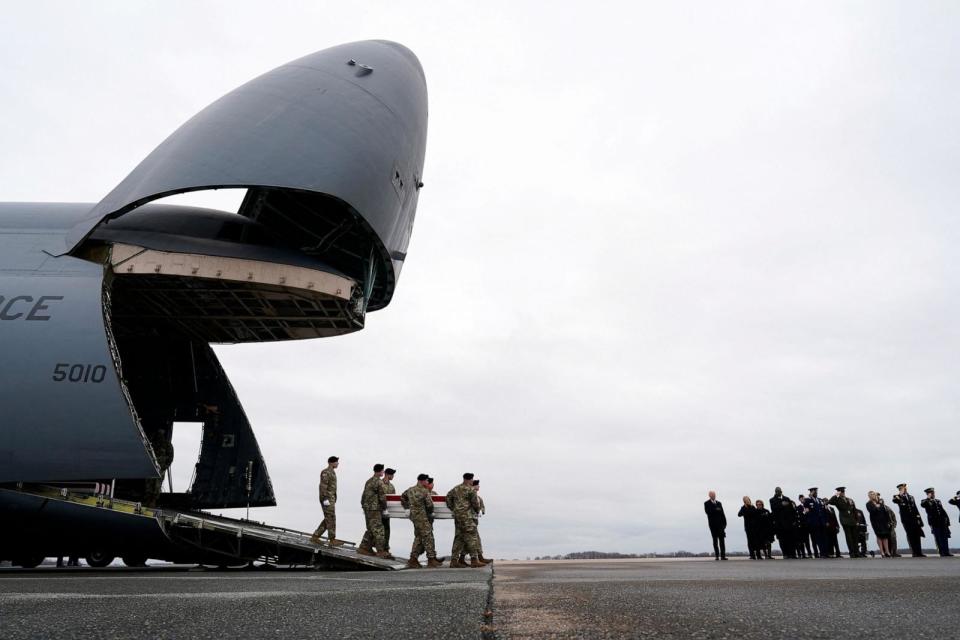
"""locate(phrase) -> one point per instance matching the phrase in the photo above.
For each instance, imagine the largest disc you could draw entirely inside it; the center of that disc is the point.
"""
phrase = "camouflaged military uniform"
(328, 492)
(374, 501)
(389, 489)
(417, 500)
(464, 502)
(476, 521)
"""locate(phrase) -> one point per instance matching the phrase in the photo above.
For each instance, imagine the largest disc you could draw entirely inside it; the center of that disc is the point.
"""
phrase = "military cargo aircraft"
(108, 310)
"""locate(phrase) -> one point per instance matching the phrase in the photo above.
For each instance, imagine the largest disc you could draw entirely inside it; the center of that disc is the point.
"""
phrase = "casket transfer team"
(810, 527)
(463, 501)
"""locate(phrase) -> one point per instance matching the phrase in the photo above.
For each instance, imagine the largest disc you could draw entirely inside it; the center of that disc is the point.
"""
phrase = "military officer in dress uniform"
(910, 518)
(717, 521)
(390, 490)
(848, 519)
(817, 522)
(938, 520)
(328, 502)
(955, 500)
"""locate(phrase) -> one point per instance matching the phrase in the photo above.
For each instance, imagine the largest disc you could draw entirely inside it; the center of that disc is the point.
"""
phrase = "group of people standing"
(810, 527)
(463, 500)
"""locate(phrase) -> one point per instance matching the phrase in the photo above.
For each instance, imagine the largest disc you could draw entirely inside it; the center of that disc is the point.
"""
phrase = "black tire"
(98, 559)
(134, 560)
(29, 562)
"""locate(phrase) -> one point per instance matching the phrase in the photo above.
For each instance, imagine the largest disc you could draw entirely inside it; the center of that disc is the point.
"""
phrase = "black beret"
(333, 459)
(390, 471)
(476, 483)
(422, 477)
(377, 468)
(430, 480)
(468, 476)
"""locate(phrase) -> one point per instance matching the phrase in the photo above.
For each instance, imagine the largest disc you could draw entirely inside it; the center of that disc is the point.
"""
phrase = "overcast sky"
(662, 248)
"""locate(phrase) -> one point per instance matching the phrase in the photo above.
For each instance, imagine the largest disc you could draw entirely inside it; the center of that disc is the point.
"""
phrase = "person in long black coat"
(717, 521)
(749, 514)
(880, 521)
(784, 512)
(764, 530)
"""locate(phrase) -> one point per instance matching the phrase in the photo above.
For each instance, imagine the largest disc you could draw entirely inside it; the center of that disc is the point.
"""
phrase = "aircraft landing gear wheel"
(134, 560)
(98, 559)
(28, 562)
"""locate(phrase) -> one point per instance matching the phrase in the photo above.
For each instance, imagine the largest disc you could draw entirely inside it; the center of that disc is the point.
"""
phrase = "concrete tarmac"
(868, 598)
(120, 603)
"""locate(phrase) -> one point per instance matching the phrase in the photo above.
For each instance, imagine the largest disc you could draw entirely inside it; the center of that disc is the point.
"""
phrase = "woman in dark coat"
(880, 521)
(764, 530)
(749, 514)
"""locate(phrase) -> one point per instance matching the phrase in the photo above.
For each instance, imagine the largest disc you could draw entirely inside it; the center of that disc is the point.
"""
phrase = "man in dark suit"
(717, 521)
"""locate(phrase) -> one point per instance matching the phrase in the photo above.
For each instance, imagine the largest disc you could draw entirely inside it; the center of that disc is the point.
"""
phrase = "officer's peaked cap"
(901, 485)
(812, 489)
(928, 490)
(841, 488)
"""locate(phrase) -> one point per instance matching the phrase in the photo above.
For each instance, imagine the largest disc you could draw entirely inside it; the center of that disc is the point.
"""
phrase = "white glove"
(386, 512)
(326, 503)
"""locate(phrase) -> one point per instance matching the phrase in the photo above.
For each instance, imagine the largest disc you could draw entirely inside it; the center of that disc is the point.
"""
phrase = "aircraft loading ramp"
(88, 521)
(273, 545)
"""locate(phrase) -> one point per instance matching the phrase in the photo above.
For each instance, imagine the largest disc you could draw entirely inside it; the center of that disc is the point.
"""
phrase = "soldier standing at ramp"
(417, 499)
(374, 503)
(390, 490)
(328, 502)
(463, 503)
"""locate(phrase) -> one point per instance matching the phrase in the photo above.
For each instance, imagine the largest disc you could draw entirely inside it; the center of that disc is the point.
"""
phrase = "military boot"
(475, 563)
(413, 563)
(456, 564)
(385, 555)
(365, 551)
(335, 542)
(315, 539)
(433, 563)
(483, 560)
